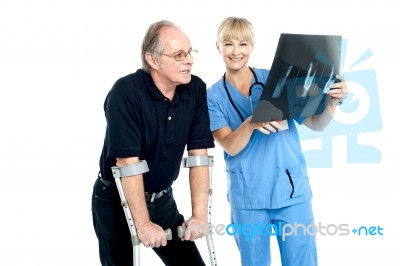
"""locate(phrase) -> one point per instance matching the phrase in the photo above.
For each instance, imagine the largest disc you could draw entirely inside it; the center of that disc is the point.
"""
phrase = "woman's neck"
(241, 79)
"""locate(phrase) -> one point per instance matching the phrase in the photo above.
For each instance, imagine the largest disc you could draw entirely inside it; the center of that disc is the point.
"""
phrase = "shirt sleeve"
(123, 125)
(218, 118)
(200, 135)
(300, 120)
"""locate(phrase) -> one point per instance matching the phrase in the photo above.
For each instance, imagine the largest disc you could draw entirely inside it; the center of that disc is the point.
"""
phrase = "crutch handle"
(168, 233)
(181, 231)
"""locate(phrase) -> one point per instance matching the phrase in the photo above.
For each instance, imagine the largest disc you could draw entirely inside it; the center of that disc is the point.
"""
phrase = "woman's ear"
(217, 45)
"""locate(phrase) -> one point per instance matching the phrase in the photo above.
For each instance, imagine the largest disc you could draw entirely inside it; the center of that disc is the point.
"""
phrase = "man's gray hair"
(151, 41)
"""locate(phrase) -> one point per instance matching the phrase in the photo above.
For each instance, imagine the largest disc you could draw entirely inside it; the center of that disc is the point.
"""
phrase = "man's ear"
(151, 60)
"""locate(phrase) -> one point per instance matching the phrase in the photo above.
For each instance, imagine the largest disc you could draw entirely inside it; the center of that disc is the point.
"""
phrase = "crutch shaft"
(210, 244)
(118, 173)
(211, 250)
(202, 160)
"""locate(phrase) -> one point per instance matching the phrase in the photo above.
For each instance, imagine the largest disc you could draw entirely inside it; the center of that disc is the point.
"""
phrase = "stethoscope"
(250, 89)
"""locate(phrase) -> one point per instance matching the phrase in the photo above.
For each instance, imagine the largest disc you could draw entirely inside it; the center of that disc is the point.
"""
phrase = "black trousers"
(110, 225)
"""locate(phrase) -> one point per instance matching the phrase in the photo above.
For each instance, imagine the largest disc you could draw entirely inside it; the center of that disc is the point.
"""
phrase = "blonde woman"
(268, 186)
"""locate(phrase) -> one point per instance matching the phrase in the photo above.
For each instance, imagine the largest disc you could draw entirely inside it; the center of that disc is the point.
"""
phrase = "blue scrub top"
(270, 172)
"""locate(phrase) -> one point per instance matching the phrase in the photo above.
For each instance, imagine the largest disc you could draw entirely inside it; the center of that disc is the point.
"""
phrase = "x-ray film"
(303, 68)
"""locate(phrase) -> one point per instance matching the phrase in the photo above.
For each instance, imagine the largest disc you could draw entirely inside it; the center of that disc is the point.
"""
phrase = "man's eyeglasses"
(180, 56)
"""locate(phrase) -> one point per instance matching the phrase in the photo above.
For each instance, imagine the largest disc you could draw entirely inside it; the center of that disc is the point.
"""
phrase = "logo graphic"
(285, 230)
(359, 113)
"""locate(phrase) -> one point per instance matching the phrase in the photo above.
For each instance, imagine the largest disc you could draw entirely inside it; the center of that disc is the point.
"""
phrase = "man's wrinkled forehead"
(174, 39)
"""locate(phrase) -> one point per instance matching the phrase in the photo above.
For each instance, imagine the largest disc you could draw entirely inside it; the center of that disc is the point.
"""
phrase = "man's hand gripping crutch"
(189, 229)
(129, 181)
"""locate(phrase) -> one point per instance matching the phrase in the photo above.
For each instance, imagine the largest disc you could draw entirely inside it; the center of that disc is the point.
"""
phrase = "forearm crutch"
(203, 160)
(124, 171)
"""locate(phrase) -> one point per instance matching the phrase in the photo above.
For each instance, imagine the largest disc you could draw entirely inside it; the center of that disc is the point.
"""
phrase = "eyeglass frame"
(181, 52)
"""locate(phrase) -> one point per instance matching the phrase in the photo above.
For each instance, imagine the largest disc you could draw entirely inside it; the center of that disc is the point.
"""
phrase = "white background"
(58, 59)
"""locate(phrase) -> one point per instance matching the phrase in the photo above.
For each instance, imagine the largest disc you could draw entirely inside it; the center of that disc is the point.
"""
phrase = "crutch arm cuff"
(198, 160)
(130, 169)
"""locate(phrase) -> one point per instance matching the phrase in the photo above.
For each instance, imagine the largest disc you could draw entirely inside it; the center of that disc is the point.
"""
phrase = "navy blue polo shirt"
(142, 122)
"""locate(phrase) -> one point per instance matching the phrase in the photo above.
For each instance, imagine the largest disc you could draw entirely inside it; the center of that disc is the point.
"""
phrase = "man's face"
(171, 71)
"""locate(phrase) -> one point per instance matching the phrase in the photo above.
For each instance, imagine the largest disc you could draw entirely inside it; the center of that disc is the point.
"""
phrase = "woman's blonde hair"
(233, 28)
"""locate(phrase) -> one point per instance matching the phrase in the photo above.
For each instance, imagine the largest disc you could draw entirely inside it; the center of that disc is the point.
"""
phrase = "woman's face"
(235, 53)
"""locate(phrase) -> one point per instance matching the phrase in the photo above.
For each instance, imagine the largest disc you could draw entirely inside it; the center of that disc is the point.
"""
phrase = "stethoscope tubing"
(250, 89)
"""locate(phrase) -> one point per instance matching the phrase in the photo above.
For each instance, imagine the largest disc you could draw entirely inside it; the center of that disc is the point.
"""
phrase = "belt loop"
(153, 195)
(106, 182)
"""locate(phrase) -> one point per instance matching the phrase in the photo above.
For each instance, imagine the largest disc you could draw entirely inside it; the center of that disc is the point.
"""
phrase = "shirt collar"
(182, 91)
